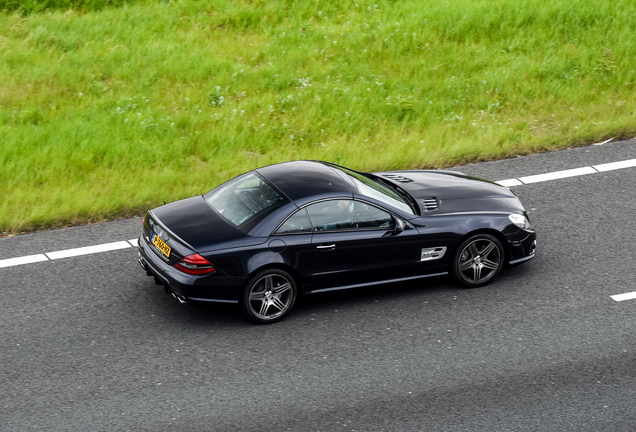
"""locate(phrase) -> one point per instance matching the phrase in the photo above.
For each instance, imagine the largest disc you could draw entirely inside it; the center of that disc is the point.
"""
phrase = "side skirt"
(212, 300)
(378, 283)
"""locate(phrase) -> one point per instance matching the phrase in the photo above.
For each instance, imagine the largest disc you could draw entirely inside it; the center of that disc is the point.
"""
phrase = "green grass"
(107, 108)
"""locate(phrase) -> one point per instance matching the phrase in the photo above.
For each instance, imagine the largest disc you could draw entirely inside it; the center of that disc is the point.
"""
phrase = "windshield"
(373, 189)
(245, 200)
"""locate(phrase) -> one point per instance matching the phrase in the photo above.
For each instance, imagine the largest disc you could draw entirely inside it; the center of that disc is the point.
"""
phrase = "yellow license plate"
(164, 248)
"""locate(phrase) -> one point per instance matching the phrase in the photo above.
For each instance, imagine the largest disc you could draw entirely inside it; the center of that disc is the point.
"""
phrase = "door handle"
(326, 247)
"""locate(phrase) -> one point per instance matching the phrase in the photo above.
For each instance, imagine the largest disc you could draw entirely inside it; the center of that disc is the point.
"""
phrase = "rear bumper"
(184, 287)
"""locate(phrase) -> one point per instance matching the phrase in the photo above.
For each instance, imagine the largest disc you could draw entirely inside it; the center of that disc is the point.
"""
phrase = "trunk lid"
(195, 223)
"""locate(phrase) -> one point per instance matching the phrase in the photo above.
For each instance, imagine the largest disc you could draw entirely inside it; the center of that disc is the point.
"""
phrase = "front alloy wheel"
(478, 260)
(269, 296)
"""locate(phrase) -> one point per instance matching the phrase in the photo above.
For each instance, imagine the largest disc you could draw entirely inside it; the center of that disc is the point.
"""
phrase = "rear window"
(245, 200)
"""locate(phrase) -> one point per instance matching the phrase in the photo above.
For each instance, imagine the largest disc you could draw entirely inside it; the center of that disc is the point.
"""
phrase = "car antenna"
(164, 203)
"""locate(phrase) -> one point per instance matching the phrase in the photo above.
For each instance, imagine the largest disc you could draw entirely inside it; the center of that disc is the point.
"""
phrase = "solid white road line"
(604, 142)
(626, 296)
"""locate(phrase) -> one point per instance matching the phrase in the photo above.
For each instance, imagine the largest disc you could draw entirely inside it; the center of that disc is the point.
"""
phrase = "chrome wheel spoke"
(490, 264)
(257, 295)
(264, 308)
(278, 304)
(466, 266)
(487, 249)
(281, 289)
(477, 273)
(268, 282)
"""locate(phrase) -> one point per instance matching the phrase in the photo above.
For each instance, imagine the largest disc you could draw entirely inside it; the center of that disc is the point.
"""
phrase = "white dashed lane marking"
(626, 296)
(88, 250)
(22, 260)
(615, 165)
(568, 173)
(557, 175)
(67, 253)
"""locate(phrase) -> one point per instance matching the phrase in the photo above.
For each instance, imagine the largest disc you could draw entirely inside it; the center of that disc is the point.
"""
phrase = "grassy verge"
(106, 111)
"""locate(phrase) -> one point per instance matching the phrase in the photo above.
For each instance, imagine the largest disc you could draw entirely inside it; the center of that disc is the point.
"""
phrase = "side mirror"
(400, 225)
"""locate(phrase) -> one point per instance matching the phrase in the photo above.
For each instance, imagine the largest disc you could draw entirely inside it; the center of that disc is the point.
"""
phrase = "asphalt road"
(89, 343)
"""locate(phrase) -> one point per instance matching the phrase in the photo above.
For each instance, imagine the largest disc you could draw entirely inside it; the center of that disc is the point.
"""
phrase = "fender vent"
(398, 178)
(430, 204)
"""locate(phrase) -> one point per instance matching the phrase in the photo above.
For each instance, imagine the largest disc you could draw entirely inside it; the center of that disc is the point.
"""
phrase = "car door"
(292, 240)
(357, 243)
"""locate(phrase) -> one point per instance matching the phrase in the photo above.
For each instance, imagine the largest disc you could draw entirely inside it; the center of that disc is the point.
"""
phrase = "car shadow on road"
(393, 296)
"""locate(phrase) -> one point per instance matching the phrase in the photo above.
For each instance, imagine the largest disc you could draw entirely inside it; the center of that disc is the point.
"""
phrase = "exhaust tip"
(179, 297)
(144, 266)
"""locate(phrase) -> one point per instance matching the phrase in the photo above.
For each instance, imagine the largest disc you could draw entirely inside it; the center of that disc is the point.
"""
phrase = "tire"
(478, 260)
(269, 296)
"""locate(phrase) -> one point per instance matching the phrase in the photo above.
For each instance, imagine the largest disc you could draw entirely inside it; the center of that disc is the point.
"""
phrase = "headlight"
(521, 221)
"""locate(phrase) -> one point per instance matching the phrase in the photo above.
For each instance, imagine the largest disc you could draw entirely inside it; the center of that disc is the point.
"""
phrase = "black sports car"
(303, 227)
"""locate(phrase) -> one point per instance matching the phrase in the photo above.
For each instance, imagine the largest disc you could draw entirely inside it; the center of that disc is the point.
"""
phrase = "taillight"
(195, 264)
(144, 229)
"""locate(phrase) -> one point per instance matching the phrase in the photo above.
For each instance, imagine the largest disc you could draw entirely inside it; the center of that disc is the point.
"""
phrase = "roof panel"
(300, 179)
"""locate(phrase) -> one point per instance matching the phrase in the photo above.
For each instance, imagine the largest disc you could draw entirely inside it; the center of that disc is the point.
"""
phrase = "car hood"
(441, 192)
(194, 222)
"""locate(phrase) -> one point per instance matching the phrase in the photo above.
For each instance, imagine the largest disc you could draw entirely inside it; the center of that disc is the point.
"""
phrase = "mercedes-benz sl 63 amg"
(302, 227)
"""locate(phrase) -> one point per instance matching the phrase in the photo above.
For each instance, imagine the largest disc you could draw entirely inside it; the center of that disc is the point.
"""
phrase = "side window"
(297, 223)
(347, 215)
(331, 215)
(368, 216)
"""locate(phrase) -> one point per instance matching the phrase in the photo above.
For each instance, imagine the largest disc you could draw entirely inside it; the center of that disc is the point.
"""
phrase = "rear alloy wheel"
(269, 296)
(478, 260)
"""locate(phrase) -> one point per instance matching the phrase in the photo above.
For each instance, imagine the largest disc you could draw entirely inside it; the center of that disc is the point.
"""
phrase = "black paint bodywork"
(463, 206)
